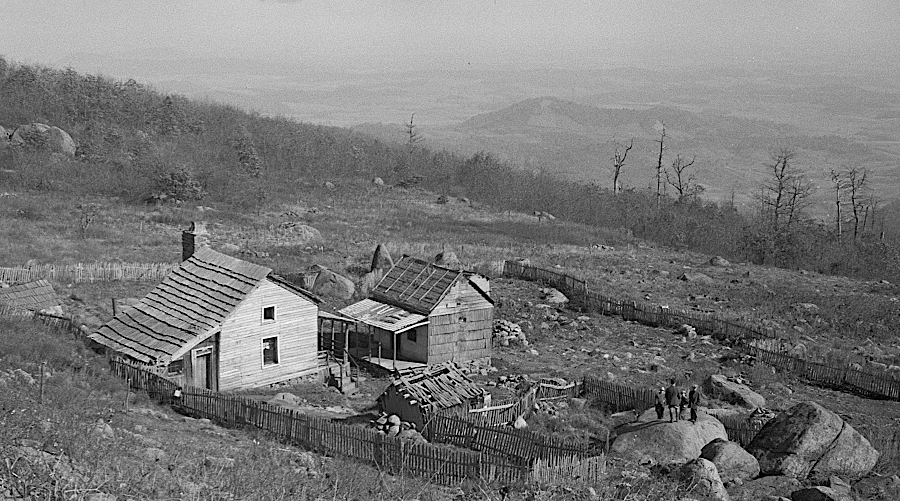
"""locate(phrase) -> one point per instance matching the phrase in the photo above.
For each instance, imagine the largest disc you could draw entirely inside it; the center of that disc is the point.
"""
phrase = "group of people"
(677, 401)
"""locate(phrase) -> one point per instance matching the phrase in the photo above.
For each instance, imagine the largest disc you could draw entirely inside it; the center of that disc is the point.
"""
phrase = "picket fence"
(59, 322)
(746, 337)
(87, 272)
(439, 464)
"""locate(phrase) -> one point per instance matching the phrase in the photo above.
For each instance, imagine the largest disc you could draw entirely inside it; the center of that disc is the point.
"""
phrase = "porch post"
(346, 342)
(395, 351)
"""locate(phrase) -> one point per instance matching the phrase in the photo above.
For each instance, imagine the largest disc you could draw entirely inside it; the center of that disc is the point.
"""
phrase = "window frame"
(263, 352)
(412, 335)
(274, 314)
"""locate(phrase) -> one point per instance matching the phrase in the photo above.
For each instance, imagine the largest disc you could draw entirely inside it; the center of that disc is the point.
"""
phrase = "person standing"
(682, 405)
(660, 404)
(694, 402)
(672, 400)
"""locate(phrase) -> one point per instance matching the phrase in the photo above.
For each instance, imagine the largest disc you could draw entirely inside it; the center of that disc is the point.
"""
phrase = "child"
(683, 404)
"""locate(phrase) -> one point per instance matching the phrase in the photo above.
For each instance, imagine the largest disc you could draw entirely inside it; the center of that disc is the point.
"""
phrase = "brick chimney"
(192, 238)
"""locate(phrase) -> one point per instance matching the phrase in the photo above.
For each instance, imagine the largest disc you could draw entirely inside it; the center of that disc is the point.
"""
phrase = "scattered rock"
(719, 261)
(731, 460)
(806, 307)
(381, 260)
(809, 440)
(377, 181)
(328, 185)
(286, 399)
(154, 454)
(520, 423)
(703, 476)
(104, 430)
(719, 386)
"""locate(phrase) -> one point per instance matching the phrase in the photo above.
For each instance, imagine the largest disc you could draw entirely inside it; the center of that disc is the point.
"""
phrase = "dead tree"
(685, 183)
(618, 163)
(785, 193)
(659, 167)
(857, 183)
(837, 180)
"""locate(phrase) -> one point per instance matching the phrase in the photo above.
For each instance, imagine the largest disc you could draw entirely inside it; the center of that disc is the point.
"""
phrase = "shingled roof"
(415, 285)
(187, 307)
(33, 296)
(436, 387)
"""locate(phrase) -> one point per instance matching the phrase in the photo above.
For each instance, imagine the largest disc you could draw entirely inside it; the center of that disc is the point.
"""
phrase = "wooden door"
(202, 367)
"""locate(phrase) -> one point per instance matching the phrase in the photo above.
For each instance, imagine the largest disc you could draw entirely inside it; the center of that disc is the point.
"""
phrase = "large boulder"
(718, 386)
(879, 488)
(809, 440)
(369, 281)
(764, 488)
(820, 493)
(43, 136)
(731, 460)
(296, 234)
(329, 283)
(448, 259)
(664, 442)
(382, 259)
(704, 478)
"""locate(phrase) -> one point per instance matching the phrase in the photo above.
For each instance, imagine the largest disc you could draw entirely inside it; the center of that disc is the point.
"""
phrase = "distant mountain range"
(576, 141)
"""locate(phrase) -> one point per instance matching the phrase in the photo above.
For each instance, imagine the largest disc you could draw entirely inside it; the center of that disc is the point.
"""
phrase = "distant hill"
(576, 141)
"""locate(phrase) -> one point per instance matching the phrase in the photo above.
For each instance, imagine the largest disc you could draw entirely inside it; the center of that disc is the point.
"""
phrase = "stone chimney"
(192, 238)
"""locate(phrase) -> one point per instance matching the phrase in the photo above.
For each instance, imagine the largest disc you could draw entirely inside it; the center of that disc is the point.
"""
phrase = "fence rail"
(87, 272)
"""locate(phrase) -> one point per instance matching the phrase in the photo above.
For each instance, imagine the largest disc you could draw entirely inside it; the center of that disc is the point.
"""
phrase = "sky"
(384, 35)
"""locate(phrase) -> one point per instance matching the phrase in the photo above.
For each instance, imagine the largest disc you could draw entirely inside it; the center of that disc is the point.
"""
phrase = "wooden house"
(221, 323)
(37, 296)
(427, 314)
(416, 394)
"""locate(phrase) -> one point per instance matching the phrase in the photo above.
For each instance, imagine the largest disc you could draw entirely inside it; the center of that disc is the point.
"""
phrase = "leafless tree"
(618, 162)
(684, 182)
(659, 166)
(786, 192)
(857, 184)
(839, 183)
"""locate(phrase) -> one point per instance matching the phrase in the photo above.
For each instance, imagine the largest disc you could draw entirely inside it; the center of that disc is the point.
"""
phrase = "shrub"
(177, 185)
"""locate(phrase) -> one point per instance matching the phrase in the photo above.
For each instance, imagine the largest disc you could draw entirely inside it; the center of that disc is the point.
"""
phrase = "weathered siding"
(414, 351)
(213, 370)
(451, 338)
(240, 347)
(461, 297)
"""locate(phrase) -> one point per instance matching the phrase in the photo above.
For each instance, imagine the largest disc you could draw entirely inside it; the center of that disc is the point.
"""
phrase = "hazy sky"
(384, 34)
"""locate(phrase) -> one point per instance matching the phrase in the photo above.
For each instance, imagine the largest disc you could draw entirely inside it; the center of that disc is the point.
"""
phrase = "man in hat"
(672, 400)
(694, 402)
(660, 404)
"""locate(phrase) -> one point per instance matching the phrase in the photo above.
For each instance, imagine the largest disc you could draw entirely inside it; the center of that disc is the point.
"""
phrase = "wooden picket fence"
(439, 464)
(59, 322)
(87, 272)
(751, 339)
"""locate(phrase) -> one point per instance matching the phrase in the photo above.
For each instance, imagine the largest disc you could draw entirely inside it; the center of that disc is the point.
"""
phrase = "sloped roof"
(436, 387)
(184, 309)
(384, 316)
(415, 285)
(34, 296)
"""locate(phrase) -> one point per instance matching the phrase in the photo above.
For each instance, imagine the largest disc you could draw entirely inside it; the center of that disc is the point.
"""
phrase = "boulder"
(704, 479)
(381, 260)
(731, 460)
(820, 493)
(448, 259)
(4, 138)
(664, 442)
(719, 261)
(292, 234)
(718, 386)
(369, 281)
(43, 136)
(554, 296)
(699, 278)
(329, 283)
(809, 440)
(520, 423)
(412, 436)
(328, 185)
(764, 488)
(377, 181)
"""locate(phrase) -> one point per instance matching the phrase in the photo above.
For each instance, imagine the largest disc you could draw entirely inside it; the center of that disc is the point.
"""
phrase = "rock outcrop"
(809, 440)
(329, 283)
(705, 479)
(663, 442)
(731, 460)
(381, 260)
(369, 281)
(718, 386)
(448, 259)
(44, 137)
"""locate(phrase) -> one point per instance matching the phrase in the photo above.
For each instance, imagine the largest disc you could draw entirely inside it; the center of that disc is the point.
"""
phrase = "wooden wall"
(188, 360)
(460, 326)
(240, 347)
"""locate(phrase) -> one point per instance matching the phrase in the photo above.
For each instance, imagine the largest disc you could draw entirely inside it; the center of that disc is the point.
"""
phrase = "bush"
(178, 186)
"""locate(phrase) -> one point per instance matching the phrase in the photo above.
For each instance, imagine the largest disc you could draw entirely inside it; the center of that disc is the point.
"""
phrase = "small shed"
(37, 296)
(220, 323)
(416, 394)
(425, 313)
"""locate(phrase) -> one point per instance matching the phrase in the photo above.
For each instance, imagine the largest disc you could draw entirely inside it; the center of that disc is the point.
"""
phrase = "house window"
(269, 314)
(270, 351)
(411, 335)
(176, 368)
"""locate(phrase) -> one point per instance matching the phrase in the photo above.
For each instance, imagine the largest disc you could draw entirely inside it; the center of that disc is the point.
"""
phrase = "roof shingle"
(34, 296)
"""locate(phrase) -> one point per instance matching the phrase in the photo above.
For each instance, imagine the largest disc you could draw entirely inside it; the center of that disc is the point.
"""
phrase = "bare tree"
(412, 139)
(659, 167)
(857, 184)
(837, 180)
(685, 183)
(619, 162)
(786, 192)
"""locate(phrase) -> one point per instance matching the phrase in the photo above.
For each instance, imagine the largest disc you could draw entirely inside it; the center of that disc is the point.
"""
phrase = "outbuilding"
(417, 394)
